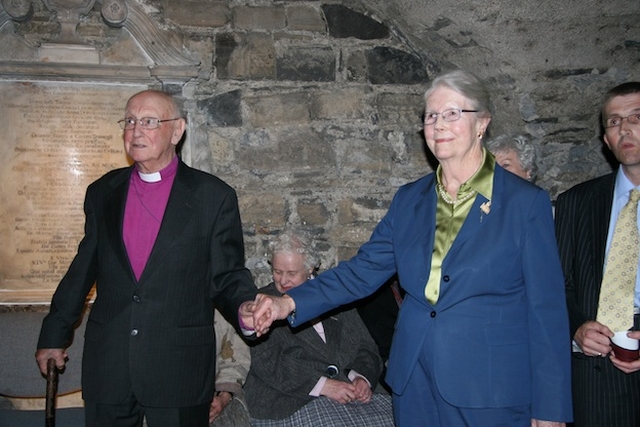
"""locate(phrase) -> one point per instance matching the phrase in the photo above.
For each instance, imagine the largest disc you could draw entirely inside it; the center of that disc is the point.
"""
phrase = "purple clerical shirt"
(146, 202)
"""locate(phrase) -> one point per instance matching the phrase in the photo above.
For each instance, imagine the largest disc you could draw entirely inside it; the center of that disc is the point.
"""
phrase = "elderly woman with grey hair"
(516, 154)
(481, 337)
(321, 373)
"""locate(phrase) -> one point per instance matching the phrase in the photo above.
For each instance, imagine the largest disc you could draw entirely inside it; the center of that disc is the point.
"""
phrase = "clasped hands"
(347, 392)
(260, 313)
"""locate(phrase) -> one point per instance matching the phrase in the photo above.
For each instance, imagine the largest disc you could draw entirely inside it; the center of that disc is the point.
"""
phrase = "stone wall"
(310, 109)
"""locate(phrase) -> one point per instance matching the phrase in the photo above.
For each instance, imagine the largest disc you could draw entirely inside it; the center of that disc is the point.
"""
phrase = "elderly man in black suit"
(606, 390)
(163, 243)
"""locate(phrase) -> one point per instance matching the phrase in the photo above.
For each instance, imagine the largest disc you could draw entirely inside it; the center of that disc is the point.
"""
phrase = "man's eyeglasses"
(614, 122)
(129, 123)
(450, 115)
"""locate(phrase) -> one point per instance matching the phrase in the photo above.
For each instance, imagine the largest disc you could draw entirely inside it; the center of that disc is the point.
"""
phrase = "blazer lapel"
(480, 213)
(424, 217)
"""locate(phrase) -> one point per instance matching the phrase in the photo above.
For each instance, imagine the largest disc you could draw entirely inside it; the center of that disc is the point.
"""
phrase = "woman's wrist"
(225, 393)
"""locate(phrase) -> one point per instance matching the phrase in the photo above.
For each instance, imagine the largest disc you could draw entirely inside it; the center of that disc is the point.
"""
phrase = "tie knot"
(634, 196)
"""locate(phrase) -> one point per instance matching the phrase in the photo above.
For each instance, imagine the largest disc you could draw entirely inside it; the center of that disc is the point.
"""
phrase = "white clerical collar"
(150, 177)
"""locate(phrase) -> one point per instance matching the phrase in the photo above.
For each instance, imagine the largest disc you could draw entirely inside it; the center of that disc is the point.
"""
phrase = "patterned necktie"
(615, 307)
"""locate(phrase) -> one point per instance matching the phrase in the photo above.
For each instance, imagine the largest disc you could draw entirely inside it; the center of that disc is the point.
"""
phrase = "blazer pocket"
(194, 335)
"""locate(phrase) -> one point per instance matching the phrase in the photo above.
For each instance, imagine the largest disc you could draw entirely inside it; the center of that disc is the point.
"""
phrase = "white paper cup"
(625, 348)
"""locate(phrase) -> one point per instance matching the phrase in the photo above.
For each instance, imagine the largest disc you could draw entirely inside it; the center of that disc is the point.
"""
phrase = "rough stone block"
(262, 210)
(354, 66)
(289, 151)
(400, 108)
(221, 148)
(305, 18)
(313, 213)
(348, 239)
(361, 210)
(387, 65)
(361, 152)
(245, 56)
(310, 64)
(344, 22)
(223, 109)
(340, 104)
(278, 109)
(345, 213)
(197, 13)
(259, 18)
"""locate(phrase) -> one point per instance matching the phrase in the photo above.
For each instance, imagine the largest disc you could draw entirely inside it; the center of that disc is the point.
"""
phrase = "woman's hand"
(362, 389)
(339, 391)
(219, 402)
(539, 423)
(267, 309)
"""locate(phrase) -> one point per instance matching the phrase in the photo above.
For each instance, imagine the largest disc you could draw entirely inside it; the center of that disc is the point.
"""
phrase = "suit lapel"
(599, 214)
(114, 217)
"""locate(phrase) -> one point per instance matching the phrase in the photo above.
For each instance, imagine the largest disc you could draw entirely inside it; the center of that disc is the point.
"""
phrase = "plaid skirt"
(324, 412)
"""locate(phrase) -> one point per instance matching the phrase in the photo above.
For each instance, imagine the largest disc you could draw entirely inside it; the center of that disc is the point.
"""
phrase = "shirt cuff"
(315, 392)
(353, 375)
(246, 331)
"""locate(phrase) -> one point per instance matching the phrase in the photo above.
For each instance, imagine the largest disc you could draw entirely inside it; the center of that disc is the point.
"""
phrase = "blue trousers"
(421, 404)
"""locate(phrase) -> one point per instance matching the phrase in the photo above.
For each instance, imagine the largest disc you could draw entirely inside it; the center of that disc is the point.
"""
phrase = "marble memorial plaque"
(56, 139)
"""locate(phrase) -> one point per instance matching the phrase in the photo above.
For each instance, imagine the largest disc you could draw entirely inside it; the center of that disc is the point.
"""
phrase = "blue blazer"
(499, 332)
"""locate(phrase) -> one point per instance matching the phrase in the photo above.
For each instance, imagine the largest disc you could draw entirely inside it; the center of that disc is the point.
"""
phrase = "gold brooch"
(486, 207)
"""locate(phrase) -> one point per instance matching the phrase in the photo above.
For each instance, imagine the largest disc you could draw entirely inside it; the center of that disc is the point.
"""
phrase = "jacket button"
(446, 279)
(136, 298)
(134, 332)
(433, 314)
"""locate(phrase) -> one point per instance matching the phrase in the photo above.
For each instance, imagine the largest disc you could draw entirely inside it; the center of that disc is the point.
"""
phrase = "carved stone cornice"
(130, 16)
(67, 57)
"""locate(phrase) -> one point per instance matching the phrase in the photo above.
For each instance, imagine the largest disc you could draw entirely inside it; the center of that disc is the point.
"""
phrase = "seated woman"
(515, 154)
(322, 373)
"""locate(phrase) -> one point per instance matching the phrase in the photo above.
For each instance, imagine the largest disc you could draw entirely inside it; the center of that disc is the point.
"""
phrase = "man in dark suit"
(606, 390)
(163, 243)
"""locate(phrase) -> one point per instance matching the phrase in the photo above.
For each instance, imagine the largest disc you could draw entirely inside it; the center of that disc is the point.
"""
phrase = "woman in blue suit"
(482, 336)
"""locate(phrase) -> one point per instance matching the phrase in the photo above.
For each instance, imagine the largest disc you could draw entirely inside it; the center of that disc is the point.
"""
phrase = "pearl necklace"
(445, 196)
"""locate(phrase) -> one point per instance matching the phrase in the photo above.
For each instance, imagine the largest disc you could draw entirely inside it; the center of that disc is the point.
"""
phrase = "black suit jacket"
(154, 336)
(602, 394)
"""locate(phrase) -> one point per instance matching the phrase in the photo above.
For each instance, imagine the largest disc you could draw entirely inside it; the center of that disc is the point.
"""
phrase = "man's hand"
(44, 354)
(593, 338)
(339, 391)
(269, 309)
(219, 402)
(245, 312)
(626, 367)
